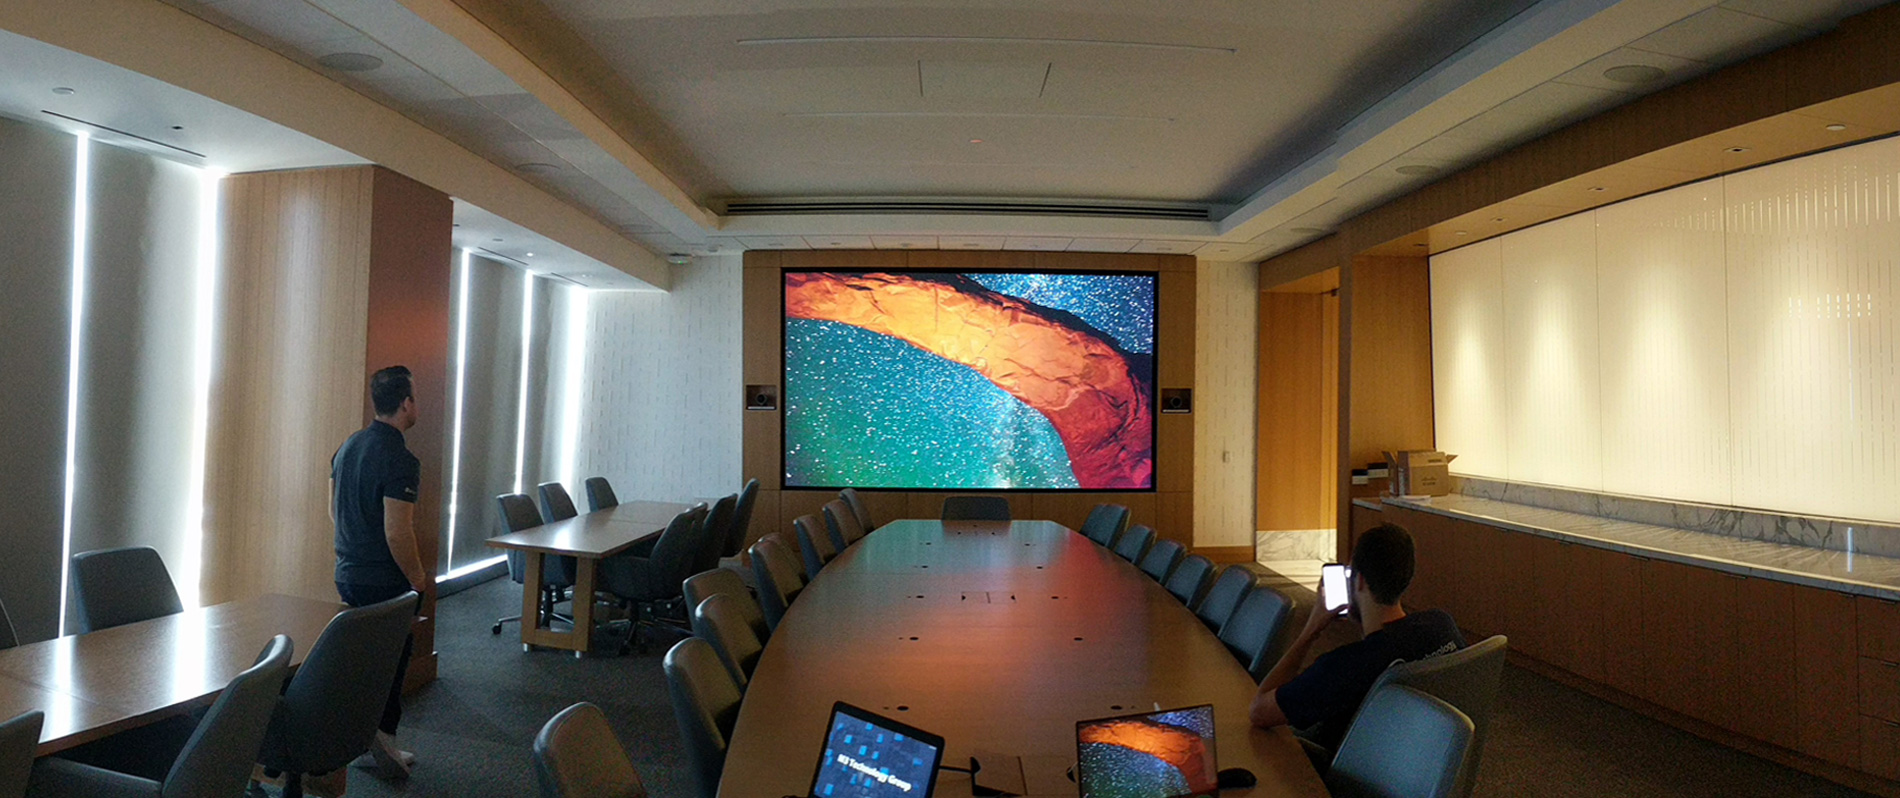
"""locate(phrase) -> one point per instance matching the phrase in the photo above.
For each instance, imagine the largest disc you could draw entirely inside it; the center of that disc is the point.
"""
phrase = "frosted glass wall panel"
(1813, 373)
(1468, 357)
(1552, 424)
(1662, 313)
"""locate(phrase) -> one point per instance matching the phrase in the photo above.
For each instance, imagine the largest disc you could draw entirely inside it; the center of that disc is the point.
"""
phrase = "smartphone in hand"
(1332, 584)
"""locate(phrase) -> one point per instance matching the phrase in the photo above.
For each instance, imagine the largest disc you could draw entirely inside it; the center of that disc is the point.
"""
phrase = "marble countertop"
(1859, 574)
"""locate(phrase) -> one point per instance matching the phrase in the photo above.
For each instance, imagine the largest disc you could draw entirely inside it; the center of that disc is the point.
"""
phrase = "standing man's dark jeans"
(363, 596)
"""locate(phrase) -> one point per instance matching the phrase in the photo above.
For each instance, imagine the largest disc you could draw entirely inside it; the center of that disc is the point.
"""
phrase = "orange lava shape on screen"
(1072, 376)
(1183, 749)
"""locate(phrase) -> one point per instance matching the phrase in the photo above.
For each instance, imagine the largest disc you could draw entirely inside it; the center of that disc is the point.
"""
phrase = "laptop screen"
(870, 756)
(1167, 754)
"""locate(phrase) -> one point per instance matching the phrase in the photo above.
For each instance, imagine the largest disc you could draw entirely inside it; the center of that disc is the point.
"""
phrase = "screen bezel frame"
(1213, 748)
(1154, 388)
(862, 714)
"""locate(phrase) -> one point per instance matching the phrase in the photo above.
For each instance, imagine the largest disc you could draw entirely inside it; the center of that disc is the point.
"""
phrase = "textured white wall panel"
(1553, 424)
(1468, 358)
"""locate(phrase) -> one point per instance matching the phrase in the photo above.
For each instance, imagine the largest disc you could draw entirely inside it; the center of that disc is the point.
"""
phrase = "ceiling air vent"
(1006, 207)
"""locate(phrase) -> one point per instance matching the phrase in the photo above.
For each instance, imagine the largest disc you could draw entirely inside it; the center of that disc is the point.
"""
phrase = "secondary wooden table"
(999, 637)
(589, 538)
(103, 682)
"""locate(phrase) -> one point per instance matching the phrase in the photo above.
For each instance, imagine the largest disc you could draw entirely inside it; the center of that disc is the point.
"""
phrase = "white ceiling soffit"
(497, 238)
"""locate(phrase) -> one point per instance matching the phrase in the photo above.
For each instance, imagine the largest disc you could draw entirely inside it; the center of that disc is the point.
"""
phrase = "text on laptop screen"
(865, 760)
(1160, 755)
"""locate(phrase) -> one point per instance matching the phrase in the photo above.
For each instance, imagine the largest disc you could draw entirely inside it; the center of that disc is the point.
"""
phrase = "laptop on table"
(1165, 754)
(870, 756)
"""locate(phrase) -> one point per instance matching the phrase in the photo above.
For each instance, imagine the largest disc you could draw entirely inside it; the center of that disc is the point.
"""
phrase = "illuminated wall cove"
(1730, 341)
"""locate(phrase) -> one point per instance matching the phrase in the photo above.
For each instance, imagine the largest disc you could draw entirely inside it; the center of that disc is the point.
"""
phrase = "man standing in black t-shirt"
(373, 484)
(1322, 699)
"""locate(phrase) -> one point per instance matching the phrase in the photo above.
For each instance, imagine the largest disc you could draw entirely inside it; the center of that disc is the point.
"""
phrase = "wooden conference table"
(999, 637)
(101, 683)
(588, 537)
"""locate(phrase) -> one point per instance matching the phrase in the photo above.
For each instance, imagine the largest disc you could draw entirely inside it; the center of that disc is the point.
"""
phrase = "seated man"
(1321, 700)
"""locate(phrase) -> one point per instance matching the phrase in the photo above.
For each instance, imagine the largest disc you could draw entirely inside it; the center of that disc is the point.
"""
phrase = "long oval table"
(999, 637)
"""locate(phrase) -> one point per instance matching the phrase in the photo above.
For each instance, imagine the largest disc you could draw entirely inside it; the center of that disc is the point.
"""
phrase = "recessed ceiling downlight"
(1837, 127)
(63, 91)
(1417, 170)
(537, 168)
(1633, 74)
(350, 62)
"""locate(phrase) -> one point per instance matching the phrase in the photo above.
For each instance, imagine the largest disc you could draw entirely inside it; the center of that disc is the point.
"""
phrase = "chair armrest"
(54, 778)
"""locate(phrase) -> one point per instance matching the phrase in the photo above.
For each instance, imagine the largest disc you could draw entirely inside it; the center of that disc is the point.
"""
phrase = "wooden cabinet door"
(1827, 721)
(1761, 694)
(1585, 602)
(1880, 747)
(1879, 628)
(1689, 636)
(1476, 546)
(1624, 641)
(1524, 621)
(1428, 560)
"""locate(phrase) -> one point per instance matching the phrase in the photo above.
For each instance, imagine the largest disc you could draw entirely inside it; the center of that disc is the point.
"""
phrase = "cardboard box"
(1419, 473)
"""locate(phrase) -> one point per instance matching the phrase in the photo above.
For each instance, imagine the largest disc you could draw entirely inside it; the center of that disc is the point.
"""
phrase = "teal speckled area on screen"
(870, 410)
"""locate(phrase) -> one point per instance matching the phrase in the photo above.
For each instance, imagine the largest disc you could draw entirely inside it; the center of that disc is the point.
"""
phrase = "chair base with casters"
(550, 597)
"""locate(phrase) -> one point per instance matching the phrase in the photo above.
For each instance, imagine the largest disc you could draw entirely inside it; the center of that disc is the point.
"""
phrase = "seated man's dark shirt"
(1322, 700)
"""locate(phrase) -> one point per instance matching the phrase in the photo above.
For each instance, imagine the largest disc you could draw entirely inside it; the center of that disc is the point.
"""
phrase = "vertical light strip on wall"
(81, 174)
(191, 570)
(527, 341)
(461, 383)
(571, 387)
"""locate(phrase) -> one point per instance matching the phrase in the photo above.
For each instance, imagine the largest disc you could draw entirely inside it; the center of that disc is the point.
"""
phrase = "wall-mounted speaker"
(1177, 400)
(761, 397)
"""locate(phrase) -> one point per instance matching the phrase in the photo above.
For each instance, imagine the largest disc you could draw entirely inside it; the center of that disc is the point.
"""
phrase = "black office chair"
(576, 755)
(329, 710)
(718, 523)
(216, 758)
(600, 494)
(814, 544)
(1134, 543)
(780, 578)
(651, 584)
(726, 582)
(1251, 631)
(1105, 523)
(1230, 587)
(851, 497)
(114, 587)
(975, 508)
(841, 525)
(557, 573)
(19, 737)
(706, 705)
(1161, 559)
(1403, 742)
(556, 505)
(1191, 579)
(718, 621)
(741, 520)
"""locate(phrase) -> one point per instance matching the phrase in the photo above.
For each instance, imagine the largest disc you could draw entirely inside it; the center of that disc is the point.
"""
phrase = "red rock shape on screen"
(1182, 749)
(1070, 374)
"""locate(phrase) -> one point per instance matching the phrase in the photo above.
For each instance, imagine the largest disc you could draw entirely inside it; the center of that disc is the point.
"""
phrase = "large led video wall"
(969, 380)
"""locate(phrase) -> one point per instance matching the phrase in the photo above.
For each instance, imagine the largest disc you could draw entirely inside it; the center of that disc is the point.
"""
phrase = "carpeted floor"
(473, 728)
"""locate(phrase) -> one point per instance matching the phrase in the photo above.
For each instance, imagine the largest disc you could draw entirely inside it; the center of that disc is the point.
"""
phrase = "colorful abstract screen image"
(863, 759)
(1163, 755)
(969, 381)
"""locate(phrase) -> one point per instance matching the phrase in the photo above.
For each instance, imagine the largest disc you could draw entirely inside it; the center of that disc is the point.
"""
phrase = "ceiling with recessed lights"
(1252, 125)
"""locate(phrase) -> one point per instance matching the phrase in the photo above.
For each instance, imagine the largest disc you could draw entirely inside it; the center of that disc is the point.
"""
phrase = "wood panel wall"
(1170, 509)
(325, 275)
(1298, 396)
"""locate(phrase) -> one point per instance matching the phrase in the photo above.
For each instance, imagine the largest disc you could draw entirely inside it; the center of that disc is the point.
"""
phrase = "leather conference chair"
(557, 573)
(726, 582)
(706, 705)
(975, 508)
(718, 523)
(556, 505)
(741, 520)
(780, 578)
(1251, 631)
(1105, 523)
(718, 621)
(1230, 587)
(1161, 559)
(329, 711)
(576, 755)
(841, 524)
(814, 544)
(19, 737)
(648, 584)
(215, 760)
(1403, 742)
(856, 502)
(1467, 679)
(600, 494)
(114, 587)
(1190, 580)
(1134, 543)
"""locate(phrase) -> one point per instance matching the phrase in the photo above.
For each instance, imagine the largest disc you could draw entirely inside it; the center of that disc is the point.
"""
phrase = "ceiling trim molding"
(171, 45)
